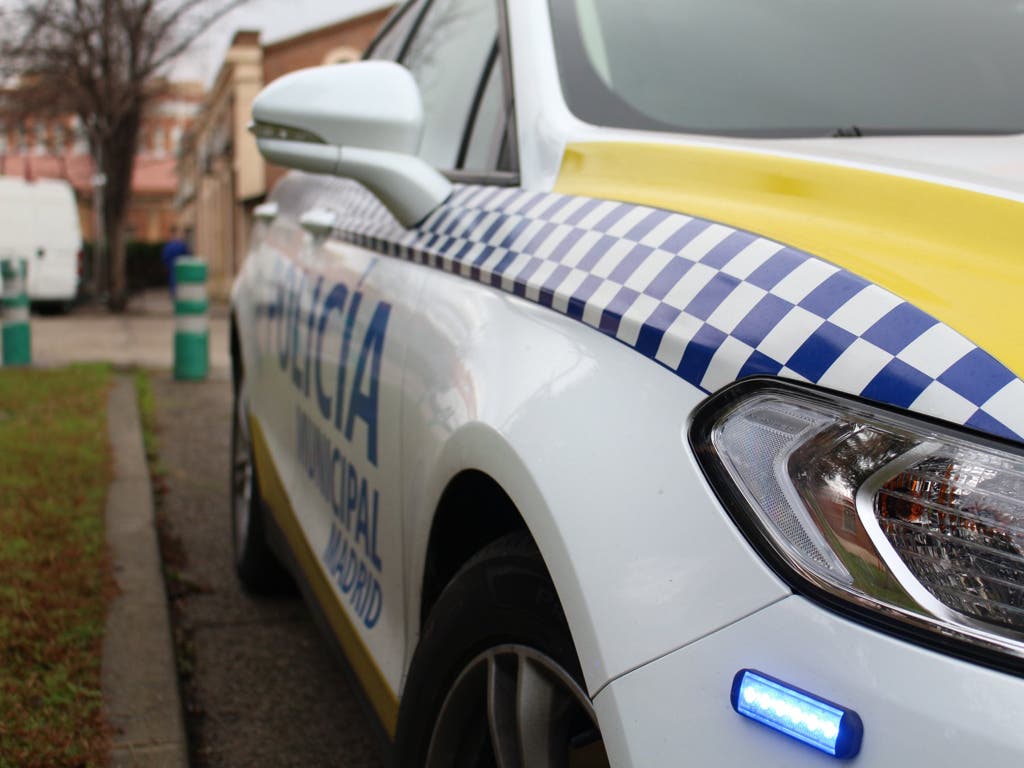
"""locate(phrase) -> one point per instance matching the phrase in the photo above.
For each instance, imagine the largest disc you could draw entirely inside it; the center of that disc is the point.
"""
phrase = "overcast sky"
(275, 19)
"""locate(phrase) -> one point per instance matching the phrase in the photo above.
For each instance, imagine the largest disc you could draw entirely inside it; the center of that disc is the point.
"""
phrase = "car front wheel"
(495, 680)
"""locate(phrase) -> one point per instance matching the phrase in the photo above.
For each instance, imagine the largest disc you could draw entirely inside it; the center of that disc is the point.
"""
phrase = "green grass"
(147, 415)
(54, 569)
(172, 554)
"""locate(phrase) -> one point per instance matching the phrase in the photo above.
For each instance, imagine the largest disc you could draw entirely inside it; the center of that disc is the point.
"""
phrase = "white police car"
(639, 383)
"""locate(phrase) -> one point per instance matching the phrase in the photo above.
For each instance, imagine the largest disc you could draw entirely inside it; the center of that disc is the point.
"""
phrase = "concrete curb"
(140, 681)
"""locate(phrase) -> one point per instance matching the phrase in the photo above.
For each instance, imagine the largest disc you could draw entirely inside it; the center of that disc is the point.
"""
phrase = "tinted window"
(794, 67)
(489, 124)
(394, 32)
(447, 56)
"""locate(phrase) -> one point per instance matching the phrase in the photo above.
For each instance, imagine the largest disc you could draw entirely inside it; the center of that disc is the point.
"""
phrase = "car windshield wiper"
(857, 131)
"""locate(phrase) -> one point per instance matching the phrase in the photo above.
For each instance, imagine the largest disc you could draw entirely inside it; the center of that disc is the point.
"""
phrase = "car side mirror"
(361, 120)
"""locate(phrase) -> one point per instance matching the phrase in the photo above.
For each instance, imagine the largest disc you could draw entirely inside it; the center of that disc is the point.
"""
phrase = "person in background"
(172, 249)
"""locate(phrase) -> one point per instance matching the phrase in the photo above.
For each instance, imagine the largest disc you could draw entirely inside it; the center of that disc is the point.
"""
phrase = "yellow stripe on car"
(907, 235)
(382, 698)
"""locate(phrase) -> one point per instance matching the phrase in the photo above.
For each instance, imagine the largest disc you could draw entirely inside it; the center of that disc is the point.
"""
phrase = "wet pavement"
(142, 336)
(264, 687)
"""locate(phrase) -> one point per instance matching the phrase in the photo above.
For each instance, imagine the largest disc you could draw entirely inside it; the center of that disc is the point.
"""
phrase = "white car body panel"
(543, 122)
(919, 707)
(469, 403)
(664, 596)
(474, 378)
(518, 410)
(275, 396)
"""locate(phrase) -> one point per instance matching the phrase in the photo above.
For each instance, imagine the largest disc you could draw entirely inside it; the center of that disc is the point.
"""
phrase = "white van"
(39, 222)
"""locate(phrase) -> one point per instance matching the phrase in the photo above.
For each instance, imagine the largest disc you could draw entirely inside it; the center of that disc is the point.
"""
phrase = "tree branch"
(97, 59)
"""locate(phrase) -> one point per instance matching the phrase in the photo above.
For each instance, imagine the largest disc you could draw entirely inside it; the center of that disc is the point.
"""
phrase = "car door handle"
(265, 212)
(319, 222)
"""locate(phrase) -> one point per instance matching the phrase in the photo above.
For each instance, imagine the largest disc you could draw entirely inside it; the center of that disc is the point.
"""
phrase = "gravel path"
(265, 688)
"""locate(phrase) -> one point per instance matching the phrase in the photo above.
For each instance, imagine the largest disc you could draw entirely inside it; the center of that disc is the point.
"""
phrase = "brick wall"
(311, 48)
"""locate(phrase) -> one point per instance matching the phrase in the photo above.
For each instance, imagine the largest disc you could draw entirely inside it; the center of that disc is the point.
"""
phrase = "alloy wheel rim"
(514, 707)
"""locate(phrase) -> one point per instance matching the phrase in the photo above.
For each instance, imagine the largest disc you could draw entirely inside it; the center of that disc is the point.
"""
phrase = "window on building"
(41, 144)
(341, 55)
(850, 522)
(447, 56)
(81, 143)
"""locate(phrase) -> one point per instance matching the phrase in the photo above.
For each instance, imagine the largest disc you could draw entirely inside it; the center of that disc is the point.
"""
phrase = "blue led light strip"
(833, 729)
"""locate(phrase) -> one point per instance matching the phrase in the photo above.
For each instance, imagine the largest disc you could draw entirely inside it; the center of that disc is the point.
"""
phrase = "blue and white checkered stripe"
(710, 302)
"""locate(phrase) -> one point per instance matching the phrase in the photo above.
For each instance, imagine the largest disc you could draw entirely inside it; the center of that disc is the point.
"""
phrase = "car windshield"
(794, 67)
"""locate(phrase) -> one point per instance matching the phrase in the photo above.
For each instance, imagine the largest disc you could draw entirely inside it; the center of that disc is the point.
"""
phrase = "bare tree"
(100, 60)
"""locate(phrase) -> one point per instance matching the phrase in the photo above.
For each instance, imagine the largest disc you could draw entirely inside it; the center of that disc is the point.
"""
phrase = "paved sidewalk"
(265, 688)
(142, 336)
(140, 681)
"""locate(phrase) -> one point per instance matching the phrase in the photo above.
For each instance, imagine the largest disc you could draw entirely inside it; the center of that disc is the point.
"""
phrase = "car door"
(458, 55)
(337, 319)
(333, 324)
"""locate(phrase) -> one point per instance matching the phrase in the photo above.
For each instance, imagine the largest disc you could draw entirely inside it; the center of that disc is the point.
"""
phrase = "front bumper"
(919, 707)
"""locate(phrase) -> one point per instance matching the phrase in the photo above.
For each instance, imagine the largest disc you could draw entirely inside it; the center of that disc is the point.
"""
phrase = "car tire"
(257, 567)
(496, 672)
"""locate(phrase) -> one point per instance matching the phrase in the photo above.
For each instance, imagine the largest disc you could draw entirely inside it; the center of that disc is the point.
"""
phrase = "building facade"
(55, 148)
(221, 175)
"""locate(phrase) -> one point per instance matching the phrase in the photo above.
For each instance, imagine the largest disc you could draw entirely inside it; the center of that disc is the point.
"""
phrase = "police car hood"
(991, 163)
(937, 221)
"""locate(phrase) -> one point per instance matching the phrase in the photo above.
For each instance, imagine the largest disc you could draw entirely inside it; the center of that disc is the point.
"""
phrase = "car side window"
(392, 37)
(489, 124)
(447, 55)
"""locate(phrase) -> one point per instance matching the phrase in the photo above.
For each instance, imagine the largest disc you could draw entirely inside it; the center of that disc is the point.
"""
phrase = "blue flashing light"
(833, 729)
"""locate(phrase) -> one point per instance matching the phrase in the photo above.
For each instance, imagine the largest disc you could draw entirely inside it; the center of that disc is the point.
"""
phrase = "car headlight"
(901, 520)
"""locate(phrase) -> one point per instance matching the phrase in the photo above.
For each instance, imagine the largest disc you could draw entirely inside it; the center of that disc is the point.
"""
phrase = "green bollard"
(192, 325)
(16, 334)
